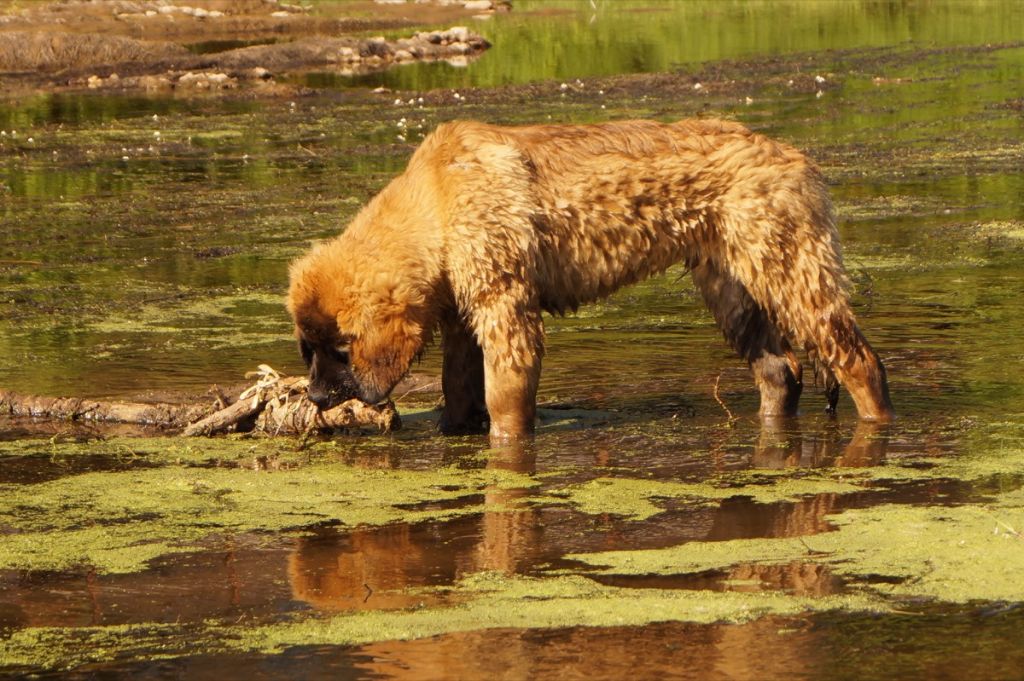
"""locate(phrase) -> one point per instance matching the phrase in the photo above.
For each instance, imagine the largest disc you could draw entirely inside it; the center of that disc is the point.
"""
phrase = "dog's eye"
(340, 353)
(307, 352)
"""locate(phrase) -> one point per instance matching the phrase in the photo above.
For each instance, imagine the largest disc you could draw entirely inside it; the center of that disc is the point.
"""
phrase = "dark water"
(143, 249)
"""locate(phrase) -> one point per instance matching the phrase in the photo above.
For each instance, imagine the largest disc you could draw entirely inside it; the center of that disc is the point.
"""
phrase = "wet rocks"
(353, 54)
(188, 81)
(469, 5)
(456, 42)
(206, 81)
(90, 55)
(131, 64)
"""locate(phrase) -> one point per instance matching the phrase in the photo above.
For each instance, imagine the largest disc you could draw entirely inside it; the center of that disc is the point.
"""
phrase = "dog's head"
(358, 323)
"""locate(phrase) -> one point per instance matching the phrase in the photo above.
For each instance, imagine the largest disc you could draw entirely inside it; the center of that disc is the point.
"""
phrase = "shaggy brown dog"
(489, 226)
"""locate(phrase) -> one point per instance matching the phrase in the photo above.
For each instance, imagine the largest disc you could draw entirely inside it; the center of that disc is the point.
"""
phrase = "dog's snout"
(318, 396)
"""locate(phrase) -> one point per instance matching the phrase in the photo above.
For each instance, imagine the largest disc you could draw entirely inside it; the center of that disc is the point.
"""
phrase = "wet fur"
(489, 226)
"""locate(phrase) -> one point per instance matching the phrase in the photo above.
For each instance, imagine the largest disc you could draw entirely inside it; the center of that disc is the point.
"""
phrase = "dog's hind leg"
(462, 380)
(804, 292)
(842, 346)
(748, 328)
(776, 229)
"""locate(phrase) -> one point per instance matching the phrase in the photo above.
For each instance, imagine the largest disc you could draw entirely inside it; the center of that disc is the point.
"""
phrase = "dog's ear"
(391, 337)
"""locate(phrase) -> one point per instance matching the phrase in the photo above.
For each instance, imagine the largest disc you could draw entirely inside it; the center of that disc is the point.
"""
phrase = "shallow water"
(143, 250)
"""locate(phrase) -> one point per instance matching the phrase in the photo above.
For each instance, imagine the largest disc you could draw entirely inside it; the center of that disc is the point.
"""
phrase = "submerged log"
(78, 409)
(274, 404)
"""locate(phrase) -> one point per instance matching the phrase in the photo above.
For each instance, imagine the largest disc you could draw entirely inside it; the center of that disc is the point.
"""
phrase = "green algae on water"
(695, 557)
(977, 463)
(546, 602)
(117, 521)
(952, 554)
(61, 648)
(955, 554)
(635, 499)
(495, 601)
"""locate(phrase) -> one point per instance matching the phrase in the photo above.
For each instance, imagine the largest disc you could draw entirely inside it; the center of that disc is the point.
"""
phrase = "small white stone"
(819, 80)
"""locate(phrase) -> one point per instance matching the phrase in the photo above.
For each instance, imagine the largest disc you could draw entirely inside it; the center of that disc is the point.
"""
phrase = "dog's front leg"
(462, 379)
(512, 361)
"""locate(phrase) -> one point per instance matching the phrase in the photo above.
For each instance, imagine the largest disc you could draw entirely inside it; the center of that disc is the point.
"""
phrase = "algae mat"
(886, 557)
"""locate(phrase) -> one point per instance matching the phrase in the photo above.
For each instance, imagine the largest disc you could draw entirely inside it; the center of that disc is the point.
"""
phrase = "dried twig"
(718, 399)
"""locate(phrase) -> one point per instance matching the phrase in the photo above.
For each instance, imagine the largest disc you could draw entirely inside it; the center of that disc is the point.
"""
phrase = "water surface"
(144, 244)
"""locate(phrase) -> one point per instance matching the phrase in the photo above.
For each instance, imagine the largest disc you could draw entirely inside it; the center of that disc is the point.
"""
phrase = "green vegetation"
(118, 521)
(636, 499)
(953, 554)
(495, 601)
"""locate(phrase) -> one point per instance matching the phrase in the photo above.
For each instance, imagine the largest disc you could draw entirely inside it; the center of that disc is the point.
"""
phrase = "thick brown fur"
(489, 226)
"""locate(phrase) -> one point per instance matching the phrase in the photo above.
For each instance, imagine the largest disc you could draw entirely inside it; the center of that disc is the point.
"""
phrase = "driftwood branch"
(77, 409)
(274, 404)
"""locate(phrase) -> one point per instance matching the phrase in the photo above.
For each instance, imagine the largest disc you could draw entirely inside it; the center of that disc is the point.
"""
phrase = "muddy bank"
(160, 46)
(196, 21)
